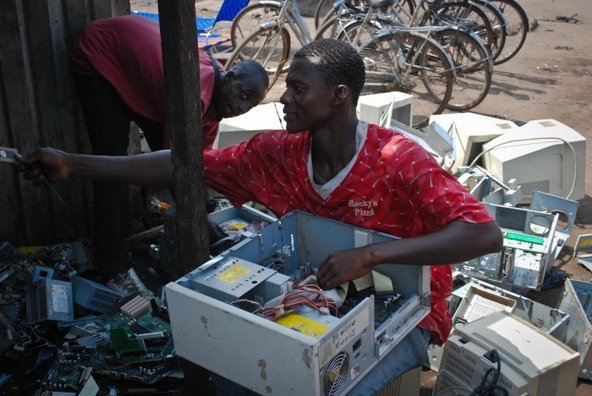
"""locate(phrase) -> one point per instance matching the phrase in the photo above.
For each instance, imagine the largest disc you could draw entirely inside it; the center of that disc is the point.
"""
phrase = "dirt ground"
(551, 77)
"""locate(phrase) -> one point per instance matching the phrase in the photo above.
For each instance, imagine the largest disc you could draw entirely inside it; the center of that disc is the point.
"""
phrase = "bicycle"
(285, 12)
(508, 19)
(471, 60)
(482, 19)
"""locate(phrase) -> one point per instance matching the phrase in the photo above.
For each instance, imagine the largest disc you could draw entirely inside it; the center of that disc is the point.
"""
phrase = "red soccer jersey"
(126, 51)
(393, 186)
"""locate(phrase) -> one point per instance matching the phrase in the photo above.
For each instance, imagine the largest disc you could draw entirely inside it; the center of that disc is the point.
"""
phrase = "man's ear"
(229, 75)
(340, 94)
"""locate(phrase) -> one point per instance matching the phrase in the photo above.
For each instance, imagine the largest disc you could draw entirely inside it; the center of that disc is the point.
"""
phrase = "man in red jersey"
(330, 164)
(118, 72)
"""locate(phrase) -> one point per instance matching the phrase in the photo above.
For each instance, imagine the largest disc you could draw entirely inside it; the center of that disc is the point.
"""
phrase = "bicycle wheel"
(269, 47)
(516, 28)
(498, 25)
(356, 33)
(248, 20)
(325, 9)
(464, 15)
(403, 11)
(473, 68)
(411, 63)
(329, 29)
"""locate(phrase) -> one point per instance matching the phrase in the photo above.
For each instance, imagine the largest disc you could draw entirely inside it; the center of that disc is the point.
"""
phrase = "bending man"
(118, 72)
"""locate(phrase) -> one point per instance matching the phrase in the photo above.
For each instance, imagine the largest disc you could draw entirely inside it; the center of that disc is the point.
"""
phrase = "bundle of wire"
(489, 386)
(309, 295)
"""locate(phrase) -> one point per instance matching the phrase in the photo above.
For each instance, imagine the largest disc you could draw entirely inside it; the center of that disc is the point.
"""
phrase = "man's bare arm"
(456, 242)
(151, 169)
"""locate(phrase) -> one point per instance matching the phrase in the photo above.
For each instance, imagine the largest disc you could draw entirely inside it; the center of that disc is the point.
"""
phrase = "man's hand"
(344, 265)
(216, 232)
(44, 162)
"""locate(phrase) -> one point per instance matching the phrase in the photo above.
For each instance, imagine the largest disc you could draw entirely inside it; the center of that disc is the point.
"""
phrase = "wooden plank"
(121, 7)
(65, 104)
(76, 15)
(22, 117)
(106, 9)
(9, 193)
(51, 130)
(100, 9)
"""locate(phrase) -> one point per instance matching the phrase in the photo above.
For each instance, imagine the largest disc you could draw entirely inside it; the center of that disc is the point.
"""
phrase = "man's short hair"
(338, 62)
(251, 69)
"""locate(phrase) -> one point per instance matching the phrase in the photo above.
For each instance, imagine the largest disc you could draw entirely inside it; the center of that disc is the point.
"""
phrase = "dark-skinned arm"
(151, 169)
(456, 242)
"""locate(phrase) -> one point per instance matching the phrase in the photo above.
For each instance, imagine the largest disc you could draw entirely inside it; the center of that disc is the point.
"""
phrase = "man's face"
(307, 99)
(238, 94)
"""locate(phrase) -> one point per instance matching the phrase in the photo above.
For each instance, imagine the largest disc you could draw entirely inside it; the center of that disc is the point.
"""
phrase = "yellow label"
(234, 226)
(303, 324)
(233, 273)
(585, 242)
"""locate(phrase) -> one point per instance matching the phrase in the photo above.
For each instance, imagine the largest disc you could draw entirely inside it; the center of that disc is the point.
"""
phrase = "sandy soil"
(551, 77)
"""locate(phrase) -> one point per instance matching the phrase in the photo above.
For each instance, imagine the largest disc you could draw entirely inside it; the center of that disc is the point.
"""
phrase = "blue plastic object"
(227, 12)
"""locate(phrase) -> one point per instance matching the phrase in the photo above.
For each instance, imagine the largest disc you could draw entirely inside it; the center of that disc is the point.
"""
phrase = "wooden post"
(180, 59)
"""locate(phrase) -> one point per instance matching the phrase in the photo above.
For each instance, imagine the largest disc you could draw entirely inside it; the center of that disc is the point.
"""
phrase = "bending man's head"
(242, 88)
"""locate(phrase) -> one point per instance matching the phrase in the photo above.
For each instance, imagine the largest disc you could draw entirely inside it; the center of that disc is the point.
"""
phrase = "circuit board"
(145, 339)
(141, 350)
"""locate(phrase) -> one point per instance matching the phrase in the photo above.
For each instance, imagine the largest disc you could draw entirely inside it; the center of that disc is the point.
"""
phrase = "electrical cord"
(491, 388)
(573, 151)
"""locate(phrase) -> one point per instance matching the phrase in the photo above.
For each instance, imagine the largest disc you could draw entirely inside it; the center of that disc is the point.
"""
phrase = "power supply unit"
(215, 324)
(51, 299)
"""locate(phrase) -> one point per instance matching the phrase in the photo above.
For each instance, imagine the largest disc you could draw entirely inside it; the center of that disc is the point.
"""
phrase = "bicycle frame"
(289, 15)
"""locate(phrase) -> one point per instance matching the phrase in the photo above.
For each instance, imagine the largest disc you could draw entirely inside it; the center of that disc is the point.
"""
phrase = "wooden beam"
(189, 244)
(180, 58)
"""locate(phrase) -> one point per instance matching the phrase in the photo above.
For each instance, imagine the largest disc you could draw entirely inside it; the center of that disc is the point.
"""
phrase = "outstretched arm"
(458, 241)
(151, 170)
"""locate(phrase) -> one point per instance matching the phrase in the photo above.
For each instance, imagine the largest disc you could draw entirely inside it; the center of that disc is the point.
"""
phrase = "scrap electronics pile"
(62, 334)
(254, 314)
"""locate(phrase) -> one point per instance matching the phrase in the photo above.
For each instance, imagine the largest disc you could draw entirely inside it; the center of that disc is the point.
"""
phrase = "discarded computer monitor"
(530, 361)
(469, 132)
(542, 155)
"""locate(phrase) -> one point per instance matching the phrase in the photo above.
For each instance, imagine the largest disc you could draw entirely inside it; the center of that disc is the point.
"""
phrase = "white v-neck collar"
(324, 190)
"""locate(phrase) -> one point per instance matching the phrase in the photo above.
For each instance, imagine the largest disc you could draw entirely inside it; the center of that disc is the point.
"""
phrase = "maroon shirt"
(126, 51)
(393, 186)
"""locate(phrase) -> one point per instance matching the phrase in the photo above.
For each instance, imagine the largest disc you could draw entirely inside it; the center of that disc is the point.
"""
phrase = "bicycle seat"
(380, 3)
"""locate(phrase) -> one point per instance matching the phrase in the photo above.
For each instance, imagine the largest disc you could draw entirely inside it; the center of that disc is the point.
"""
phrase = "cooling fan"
(336, 374)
